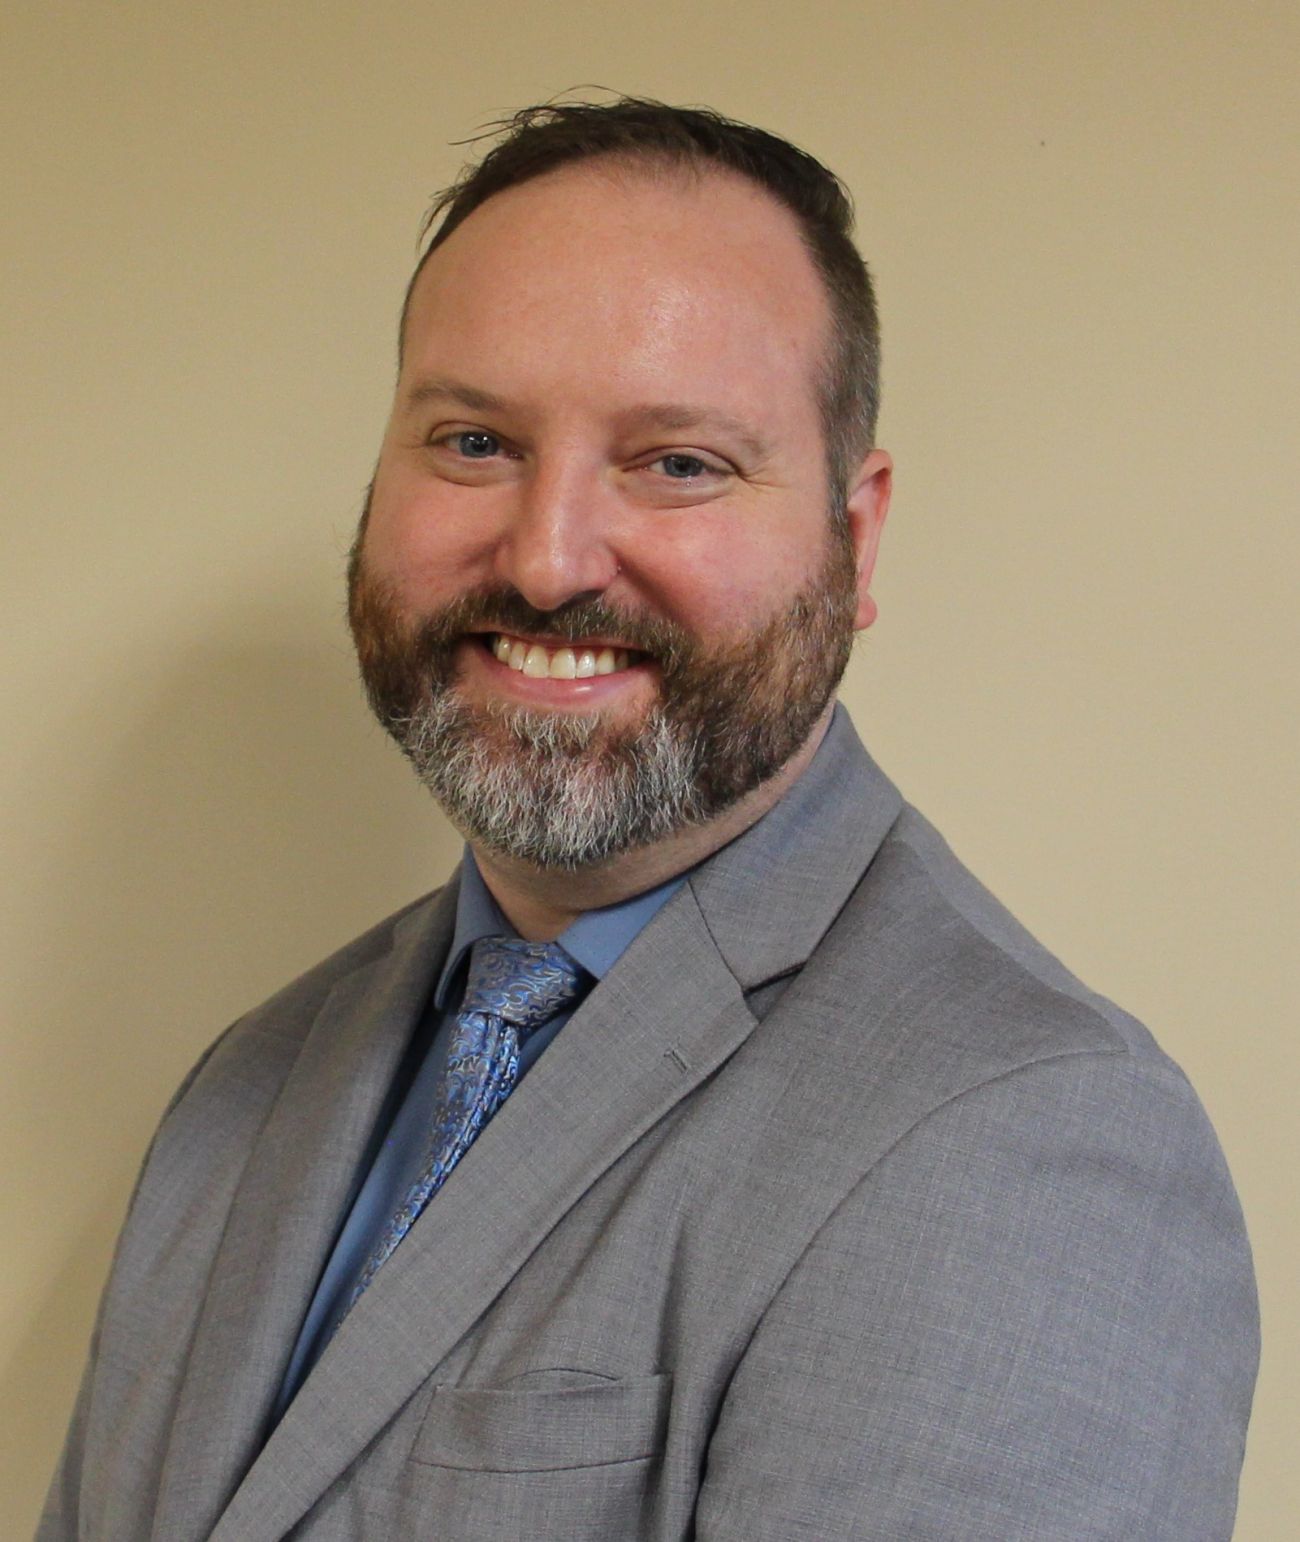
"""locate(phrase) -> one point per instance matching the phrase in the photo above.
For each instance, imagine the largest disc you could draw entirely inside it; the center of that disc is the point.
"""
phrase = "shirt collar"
(596, 940)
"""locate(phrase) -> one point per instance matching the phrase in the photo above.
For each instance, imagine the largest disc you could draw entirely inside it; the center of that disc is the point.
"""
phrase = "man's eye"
(683, 468)
(474, 444)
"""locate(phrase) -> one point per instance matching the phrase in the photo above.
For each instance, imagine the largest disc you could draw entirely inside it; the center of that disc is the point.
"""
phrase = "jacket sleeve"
(1034, 1318)
(60, 1517)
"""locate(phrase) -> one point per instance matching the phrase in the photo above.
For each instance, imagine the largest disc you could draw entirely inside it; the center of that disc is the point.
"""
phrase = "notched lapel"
(285, 1215)
(667, 1015)
(773, 893)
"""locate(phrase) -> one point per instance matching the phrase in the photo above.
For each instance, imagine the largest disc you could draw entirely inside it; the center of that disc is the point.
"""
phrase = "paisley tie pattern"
(513, 988)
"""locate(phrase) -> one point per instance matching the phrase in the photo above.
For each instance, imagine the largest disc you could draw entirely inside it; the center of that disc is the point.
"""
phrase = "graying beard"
(549, 801)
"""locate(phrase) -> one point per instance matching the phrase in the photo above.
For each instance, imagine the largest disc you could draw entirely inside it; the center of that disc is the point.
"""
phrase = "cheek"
(418, 539)
(726, 575)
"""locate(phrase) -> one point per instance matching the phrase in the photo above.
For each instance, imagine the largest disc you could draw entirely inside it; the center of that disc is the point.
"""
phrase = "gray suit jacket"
(840, 1210)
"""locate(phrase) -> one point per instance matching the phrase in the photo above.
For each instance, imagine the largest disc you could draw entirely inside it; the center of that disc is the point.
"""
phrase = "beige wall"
(1080, 214)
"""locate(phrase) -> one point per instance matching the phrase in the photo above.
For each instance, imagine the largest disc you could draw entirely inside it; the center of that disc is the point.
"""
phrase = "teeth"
(539, 663)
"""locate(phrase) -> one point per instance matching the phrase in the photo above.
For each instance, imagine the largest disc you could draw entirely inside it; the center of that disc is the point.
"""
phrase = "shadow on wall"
(245, 820)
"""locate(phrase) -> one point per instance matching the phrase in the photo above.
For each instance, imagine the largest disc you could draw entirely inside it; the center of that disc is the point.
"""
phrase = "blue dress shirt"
(595, 940)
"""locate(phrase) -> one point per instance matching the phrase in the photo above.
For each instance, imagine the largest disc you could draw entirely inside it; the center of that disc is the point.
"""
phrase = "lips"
(564, 661)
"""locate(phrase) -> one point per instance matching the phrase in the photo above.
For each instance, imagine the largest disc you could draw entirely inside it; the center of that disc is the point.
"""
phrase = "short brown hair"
(543, 138)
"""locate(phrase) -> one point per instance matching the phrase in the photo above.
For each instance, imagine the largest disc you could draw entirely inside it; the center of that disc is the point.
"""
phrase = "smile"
(566, 662)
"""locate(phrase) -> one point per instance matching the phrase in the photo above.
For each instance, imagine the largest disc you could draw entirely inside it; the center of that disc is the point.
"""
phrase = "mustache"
(502, 608)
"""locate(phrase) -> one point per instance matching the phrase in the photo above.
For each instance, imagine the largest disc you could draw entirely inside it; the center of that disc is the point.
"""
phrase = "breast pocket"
(573, 1462)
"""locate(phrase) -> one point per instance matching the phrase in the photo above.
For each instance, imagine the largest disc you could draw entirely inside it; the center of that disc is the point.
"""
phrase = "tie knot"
(522, 982)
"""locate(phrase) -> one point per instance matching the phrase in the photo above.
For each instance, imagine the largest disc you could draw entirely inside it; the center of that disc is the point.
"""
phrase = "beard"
(566, 790)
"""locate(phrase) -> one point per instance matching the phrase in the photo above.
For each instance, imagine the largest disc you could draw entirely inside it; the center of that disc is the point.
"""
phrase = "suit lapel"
(296, 1186)
(771, 895)
(669, 1013)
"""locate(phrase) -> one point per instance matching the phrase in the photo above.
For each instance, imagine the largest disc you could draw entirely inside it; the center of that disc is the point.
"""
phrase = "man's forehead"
(703, 274)
(614, 223)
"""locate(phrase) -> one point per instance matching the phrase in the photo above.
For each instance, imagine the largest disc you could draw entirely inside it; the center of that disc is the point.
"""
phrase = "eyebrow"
(668, 417)
(676, 417)
(440, 388)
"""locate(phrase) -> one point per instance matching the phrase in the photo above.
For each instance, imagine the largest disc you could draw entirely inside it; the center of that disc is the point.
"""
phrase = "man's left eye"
(683, 468)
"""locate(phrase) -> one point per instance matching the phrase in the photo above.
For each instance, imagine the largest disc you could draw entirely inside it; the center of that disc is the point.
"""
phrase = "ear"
(868, 503)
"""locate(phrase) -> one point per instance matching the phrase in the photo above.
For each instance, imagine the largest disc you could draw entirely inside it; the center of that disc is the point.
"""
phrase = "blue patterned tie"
(513, 988)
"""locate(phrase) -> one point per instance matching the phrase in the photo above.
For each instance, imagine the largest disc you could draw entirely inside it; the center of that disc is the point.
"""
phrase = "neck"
(541, 902)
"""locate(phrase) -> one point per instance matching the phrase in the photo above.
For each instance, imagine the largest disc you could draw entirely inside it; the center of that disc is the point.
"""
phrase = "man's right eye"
(474, 444)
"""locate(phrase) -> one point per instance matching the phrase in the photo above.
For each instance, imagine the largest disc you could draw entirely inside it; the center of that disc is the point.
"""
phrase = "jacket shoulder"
(921, 924)
(923, 990)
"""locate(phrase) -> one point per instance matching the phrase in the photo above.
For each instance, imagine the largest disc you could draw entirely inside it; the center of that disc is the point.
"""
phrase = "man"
(712, 1157)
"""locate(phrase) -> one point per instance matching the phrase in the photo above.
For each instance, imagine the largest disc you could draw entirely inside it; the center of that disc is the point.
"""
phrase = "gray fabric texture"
(838, 1210)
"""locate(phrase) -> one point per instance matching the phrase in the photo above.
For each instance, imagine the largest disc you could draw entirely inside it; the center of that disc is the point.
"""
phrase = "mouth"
(561, 660)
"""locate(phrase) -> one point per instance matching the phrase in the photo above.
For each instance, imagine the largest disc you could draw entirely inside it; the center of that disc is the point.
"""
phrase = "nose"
(555, 547)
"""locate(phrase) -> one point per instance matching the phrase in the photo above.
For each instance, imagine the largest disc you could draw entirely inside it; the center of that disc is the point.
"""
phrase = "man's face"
(599, 592)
